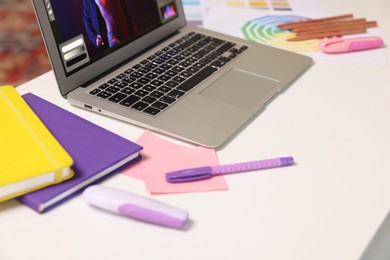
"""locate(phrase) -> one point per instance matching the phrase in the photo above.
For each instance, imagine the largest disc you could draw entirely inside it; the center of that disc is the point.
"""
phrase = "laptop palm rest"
(242, 89)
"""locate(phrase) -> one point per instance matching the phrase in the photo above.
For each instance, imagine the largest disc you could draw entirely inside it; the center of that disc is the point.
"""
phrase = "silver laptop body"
(379, 246)
(208, 114)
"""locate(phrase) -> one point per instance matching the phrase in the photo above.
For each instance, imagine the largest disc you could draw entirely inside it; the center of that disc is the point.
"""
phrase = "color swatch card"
(160, 156)
(263, 27)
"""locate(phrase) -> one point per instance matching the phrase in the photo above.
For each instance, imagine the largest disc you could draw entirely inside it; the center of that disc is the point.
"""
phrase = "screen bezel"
(68, 83)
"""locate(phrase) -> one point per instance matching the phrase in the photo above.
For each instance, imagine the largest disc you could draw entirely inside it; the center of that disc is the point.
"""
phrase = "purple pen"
(202, 173)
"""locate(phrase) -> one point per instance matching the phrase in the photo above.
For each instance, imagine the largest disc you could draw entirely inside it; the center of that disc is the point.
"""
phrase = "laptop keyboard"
(163, 78)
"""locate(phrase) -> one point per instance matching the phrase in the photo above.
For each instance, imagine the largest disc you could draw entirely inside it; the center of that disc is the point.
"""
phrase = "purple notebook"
(96, 152)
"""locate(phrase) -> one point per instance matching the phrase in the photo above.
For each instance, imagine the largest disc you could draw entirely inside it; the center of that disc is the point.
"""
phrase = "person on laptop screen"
(107, 22)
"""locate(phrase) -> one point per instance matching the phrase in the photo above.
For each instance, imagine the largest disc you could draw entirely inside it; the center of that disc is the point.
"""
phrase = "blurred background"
(22, 52)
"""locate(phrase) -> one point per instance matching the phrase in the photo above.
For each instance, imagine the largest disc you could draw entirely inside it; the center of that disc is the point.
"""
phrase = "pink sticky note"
(164, 162)
(160, 156)
(151, 144)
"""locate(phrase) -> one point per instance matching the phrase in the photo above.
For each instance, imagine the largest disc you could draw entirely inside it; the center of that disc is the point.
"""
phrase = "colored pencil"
(327, 34)
(328, 24)
(337, 27)
(292, 25)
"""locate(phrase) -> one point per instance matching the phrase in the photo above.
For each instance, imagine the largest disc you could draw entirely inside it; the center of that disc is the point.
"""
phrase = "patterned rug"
(22, 52)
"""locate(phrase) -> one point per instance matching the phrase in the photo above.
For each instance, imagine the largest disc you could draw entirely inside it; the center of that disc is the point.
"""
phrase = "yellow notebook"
(30, 157)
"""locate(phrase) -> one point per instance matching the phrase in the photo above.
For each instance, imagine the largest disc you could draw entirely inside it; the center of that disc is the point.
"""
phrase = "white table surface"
(335, 121)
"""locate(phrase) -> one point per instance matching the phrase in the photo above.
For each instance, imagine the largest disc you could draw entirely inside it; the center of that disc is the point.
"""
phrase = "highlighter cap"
(136, 207)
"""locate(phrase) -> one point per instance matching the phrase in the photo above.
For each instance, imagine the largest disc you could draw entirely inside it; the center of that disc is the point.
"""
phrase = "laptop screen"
(88, 30)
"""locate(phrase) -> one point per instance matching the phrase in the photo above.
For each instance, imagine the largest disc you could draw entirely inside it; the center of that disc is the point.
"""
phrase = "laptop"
(378, 248)
(138, 61)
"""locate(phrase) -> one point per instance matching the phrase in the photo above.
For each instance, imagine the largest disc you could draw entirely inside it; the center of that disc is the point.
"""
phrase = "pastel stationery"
(151, 144)
(206, 172)
(174, 160)
(30, 157)
(327, 27)
(136, 207)
(97, 153)
(340, 45)
(160, 156)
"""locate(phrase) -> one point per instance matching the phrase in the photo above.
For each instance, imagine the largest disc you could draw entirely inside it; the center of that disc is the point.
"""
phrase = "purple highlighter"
(202, 173)
(136, 207)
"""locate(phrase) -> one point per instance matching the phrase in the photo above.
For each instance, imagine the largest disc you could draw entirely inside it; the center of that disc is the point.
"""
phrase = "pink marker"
(136, 207)
(340, 45)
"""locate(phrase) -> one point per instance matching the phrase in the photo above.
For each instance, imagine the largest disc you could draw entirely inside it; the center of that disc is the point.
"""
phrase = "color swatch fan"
(265, 30)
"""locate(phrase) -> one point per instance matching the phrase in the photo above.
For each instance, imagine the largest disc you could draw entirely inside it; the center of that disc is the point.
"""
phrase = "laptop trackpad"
(242, 89)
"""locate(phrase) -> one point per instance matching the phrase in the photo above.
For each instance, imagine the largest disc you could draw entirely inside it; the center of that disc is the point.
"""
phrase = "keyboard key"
(151, 75)
(140, 105)
(158, 61)
(178, 79)
(121, 84)
(185, 74)
(129, 100)
(176, 93)
(159, 105)
(157, 82)
(151, 65)
(144, 70)
(171, 73)
(135, 85)
(112, 89)
(217, 63)
(224, 59)
(167, 99)
(149, 88)
(129, 79)
(226, 46)
(156, 94)
(104, 86)
(197, 78)
(185, 63)
(136, 74)
(103, 95)
(186, 53)
(159, 71)
(136, 67)
(179, 57)
(171, 84)
(141, 93)
(95, 91)
(164, 78)
(121, 76)
(172, 62)
(192, 70)
(143, 80)
(152, 111)
(178, 69)
(164, 89)
(127, 91)
(129, 71)
(165, 67)
(112, 81)
(149, 99)
(117, 97)
(199, 65)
